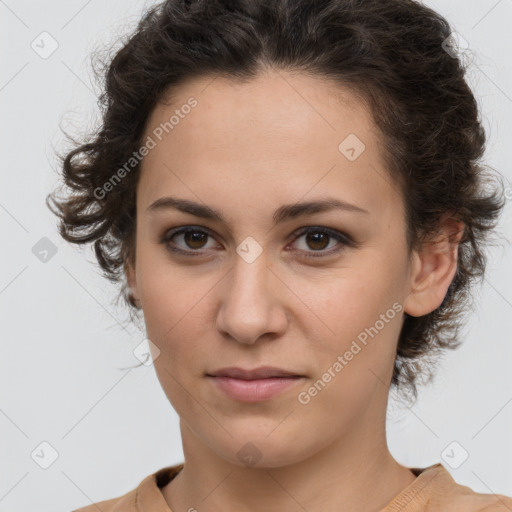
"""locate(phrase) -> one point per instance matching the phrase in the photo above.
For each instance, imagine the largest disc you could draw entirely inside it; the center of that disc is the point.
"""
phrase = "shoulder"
(476, 502)
(124, 503)
(435, 490)
(464, 498)
(146, 495)
(447, 494)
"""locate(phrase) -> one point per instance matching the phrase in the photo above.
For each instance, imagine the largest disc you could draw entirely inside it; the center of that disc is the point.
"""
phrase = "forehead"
(277, 130)
(296, 108)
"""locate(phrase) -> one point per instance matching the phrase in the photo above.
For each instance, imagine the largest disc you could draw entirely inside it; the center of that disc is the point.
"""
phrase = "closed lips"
(254, 374)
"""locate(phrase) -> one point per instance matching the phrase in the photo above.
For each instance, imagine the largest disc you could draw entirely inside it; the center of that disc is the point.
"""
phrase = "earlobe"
(433, 270)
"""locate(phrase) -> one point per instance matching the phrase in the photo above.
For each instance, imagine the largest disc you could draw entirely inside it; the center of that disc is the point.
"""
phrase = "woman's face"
(252, 289)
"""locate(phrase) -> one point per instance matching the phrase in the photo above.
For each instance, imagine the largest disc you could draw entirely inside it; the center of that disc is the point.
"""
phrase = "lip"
(262, 372)
(254, 385)
(254, 390)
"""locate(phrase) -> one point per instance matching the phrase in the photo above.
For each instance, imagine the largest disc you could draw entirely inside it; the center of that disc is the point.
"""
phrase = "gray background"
(63, 339)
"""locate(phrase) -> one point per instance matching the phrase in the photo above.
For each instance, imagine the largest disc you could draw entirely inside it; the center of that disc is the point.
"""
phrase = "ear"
(433, 269)
(131, 278)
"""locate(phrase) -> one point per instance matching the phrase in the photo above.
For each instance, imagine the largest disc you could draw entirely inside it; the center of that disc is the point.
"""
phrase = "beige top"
(434, 490)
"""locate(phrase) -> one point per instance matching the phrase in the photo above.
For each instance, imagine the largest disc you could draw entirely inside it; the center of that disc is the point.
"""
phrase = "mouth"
(263, 372)
(254, 385)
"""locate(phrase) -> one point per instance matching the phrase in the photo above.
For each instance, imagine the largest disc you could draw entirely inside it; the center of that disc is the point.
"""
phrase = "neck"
(354, 472)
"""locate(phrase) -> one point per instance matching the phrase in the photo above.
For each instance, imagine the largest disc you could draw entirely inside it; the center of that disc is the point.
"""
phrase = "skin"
(246, 149)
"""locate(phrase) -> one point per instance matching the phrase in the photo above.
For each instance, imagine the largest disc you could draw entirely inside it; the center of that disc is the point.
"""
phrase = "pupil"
(316, 238)
(196, 237)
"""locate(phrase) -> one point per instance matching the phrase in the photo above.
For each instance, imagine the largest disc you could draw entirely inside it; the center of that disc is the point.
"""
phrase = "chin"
(261, 450)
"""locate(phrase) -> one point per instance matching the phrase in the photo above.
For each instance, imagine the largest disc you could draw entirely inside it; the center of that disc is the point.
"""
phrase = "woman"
(291, 190)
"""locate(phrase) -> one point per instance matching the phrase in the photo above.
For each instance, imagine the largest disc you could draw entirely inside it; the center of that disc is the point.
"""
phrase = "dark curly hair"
(392, 54)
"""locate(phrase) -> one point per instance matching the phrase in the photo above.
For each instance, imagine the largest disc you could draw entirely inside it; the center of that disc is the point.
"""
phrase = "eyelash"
(340, 237)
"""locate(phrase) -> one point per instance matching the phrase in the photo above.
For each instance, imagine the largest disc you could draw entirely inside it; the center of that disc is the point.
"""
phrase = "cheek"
(363, 314)
(174, 313)
(355, 301)
(168, 293)
(358, 358)
(175, 322)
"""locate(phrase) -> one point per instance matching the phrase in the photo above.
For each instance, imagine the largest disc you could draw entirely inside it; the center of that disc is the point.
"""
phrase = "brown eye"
(194, 239)
(317, 240)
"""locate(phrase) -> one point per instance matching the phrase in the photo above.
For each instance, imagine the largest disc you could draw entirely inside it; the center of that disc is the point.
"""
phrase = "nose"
(251, 303)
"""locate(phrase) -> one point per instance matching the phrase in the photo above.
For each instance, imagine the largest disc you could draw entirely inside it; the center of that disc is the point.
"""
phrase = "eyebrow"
(282, 214)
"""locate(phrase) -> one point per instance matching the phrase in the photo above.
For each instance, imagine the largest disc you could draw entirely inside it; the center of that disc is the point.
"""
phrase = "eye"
(193, 237)
(316, 238)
